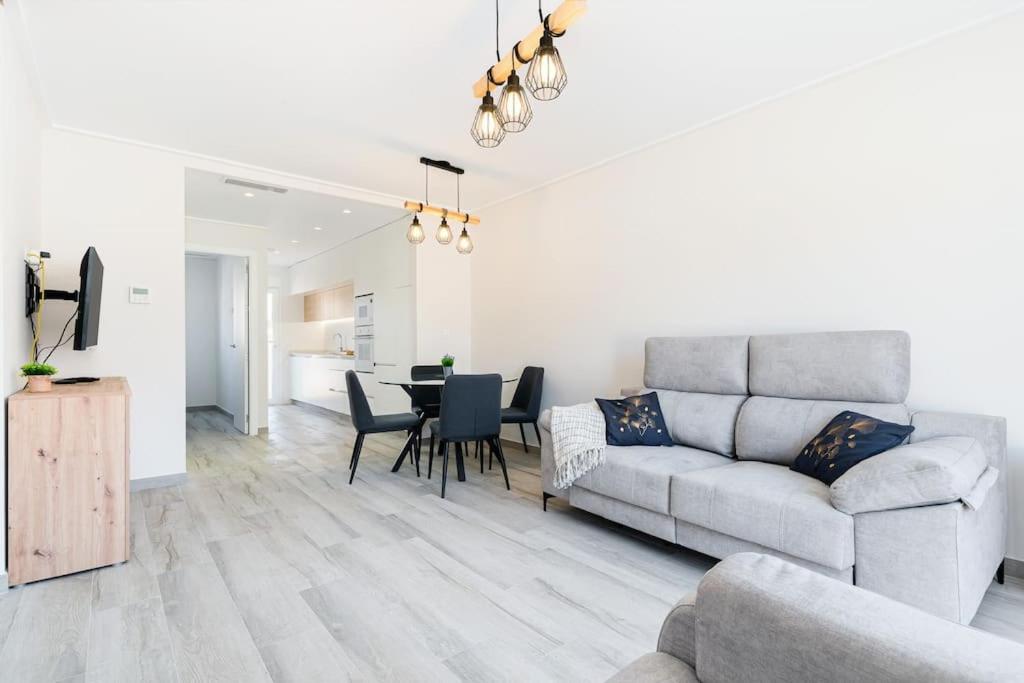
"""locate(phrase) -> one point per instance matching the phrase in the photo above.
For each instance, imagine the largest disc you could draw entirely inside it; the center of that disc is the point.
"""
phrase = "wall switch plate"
(138, 295)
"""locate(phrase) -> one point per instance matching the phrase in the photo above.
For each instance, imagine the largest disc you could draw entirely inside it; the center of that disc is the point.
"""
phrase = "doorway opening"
(217, 338)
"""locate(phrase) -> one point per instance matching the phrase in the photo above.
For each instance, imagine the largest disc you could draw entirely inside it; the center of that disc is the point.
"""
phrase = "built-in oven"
(364, 348)
(364, 310)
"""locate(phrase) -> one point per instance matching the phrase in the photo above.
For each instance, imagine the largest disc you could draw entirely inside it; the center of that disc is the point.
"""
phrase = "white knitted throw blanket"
(578, 440)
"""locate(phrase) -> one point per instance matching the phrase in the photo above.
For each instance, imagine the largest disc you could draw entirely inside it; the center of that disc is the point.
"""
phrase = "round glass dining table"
(426, 395)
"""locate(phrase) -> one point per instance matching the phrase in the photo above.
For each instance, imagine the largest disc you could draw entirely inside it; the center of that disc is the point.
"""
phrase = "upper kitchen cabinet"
(330, 304)
(384, 259)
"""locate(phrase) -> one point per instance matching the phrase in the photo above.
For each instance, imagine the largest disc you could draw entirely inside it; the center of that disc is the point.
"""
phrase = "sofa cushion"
(848, 439)
(839, 366)
(938, 470)
(641, 476)
(705, 421)
(777, 429)
(709, 365)
(634, 421)
(769, 505)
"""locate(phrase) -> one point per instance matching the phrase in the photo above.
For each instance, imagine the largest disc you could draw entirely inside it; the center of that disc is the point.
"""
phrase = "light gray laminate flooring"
(267, 565)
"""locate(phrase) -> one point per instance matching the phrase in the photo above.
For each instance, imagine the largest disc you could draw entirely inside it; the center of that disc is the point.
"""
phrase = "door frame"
(250, 376)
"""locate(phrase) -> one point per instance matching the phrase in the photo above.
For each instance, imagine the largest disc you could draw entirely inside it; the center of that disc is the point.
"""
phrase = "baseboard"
(1014, 568)
(158, 482)
(199, 409)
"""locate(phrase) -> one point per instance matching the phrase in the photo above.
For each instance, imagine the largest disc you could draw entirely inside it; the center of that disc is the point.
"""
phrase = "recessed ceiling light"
(249, 194)
(295, 241)
(317, 227)
(346, 210)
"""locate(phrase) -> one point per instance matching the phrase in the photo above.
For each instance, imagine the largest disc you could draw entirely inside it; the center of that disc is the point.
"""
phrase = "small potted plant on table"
(448, 364)
(38, 375)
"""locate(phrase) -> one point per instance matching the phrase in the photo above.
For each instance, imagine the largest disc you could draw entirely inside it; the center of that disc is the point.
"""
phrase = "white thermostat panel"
(138, 295)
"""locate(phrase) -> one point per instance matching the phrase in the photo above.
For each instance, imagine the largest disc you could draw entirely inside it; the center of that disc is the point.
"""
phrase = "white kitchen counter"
(322, 354)
(318, 378)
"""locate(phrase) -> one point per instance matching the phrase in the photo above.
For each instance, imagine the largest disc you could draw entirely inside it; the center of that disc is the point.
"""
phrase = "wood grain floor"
(266, 565)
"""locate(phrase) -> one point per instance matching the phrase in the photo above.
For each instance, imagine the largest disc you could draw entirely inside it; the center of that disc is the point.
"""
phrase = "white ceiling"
(355, 92)
(292, 218)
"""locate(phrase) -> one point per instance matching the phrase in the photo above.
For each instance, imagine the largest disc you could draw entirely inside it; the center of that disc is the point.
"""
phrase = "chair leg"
(522, 433)
(537, 429)
(355, 457)
(501, 461)
(444, 467)
(1001, 573)
(430, 460)
(414, 451)
(479, 454)
(490, 458)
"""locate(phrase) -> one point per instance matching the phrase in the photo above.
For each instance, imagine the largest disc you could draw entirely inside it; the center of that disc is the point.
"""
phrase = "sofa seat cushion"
(769, 505)
(641, 475)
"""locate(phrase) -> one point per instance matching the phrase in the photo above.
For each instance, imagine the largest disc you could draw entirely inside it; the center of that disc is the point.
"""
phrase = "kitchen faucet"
(341, 341)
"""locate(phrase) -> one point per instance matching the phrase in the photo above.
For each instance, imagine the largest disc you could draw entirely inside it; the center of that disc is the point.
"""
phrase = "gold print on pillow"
(636, 414)
(841, 434)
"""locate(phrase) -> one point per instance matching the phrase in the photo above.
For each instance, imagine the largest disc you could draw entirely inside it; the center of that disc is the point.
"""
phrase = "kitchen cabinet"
(394, 318)
(320, 381)
(331, 304)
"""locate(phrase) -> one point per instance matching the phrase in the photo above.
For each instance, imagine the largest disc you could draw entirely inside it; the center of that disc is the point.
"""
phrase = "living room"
(740, 175)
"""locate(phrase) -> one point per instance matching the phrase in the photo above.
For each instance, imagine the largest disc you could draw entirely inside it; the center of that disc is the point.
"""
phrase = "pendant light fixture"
(444, 232)
(487, 130)
(514, 107)
(415, 234)
(465, 244)
(546, 77)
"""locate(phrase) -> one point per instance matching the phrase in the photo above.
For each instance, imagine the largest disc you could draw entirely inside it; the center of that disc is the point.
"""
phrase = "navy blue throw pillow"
(846, 440)
(634, 421)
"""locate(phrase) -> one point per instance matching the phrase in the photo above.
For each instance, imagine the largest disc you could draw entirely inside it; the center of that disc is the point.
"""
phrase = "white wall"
(201, 325)
(21, 123)
(888, 198)
(128, 201)
(443, 297)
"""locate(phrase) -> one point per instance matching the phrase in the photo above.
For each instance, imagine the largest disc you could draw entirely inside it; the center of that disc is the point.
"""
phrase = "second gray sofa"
(740, 409)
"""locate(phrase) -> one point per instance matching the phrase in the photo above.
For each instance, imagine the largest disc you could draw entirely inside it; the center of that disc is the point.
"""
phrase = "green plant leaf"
(30, 369)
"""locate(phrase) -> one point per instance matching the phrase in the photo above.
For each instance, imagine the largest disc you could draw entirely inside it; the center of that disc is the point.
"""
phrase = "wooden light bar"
(420, 207)
(562, 18)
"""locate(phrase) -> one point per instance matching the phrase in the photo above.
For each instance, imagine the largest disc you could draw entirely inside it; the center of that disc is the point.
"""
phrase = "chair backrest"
(529, 390)
(422, 372)
(471, 407)
(359, 407)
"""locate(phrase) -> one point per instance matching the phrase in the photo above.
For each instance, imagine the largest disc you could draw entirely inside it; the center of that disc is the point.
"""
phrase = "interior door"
(240, 324)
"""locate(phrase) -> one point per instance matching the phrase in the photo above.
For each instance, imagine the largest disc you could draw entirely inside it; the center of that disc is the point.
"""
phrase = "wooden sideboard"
(67, 479)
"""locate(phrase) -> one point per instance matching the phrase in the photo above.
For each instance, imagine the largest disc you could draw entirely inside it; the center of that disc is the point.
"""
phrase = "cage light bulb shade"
(415, 234)
(487, 129)
(546, 77)
(514, 106)
(444, 233)
(465, 244)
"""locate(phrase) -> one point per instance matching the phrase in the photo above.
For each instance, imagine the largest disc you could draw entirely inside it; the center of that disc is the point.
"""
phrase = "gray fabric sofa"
(740, 409)
(757, 618)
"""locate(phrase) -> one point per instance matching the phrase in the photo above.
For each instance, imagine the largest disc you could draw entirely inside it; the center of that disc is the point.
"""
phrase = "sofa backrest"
(701, 384)
(764, 397)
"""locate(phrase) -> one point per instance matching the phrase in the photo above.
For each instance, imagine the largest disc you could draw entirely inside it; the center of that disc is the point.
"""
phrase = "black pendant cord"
(544, 20)
(426, 184)
(497, 24)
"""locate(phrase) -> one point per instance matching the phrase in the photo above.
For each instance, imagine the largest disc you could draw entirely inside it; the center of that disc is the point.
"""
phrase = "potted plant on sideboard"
(447, 364)
(38, 375)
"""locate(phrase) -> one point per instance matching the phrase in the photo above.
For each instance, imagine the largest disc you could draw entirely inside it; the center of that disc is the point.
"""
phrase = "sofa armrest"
(547, 457)
(678, 632)
(931, 472)
(761, 618)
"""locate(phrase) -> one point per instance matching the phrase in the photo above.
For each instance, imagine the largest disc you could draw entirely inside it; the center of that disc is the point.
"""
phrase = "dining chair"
(426, 400)
(470, 412)
(525, 408)
(366, 422)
